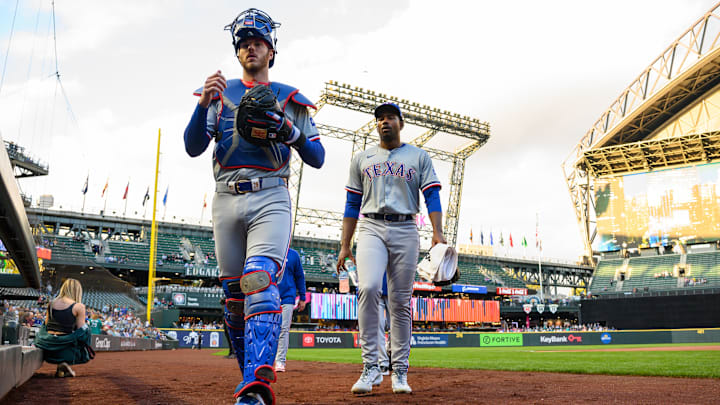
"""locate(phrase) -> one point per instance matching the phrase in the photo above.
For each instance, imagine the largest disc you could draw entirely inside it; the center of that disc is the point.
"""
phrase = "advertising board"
(501, 339)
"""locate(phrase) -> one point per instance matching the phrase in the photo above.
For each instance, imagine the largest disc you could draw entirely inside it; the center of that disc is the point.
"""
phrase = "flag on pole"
(165, 198)
(471, 236)
(126, 191)
(491, 239)
(524, 242)
(502, 240)
(482, 238)
(205, 201)
(105, 188)
(538, 242)
(85, 187)
(511, 241)
(147, 196)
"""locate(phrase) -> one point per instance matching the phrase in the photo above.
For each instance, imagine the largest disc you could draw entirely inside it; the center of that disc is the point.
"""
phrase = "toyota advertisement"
(322, 340)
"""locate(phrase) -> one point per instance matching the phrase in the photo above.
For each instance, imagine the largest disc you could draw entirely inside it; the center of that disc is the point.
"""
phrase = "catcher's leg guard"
(263, 315)
(235, 317)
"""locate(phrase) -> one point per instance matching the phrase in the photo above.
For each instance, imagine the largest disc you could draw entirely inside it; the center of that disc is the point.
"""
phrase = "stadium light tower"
(434, 120)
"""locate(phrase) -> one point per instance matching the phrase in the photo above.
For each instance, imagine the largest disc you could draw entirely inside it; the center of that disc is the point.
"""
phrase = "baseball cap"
(388, 107)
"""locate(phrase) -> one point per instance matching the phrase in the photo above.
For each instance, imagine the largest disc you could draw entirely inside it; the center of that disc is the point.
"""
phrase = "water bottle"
(352, 271)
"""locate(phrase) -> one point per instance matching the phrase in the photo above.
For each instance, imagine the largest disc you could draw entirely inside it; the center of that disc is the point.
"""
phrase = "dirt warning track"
(198, 377)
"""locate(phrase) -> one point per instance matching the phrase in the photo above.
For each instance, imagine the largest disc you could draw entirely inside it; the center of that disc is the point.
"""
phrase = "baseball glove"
(260, 120)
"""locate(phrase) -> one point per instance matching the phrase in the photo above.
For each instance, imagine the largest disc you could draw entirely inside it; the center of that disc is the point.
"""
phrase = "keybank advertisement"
(501, 339)
(561, 339)
(428, 340)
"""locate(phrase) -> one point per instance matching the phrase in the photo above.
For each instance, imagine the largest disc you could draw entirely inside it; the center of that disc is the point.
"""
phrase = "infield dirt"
(197, 377)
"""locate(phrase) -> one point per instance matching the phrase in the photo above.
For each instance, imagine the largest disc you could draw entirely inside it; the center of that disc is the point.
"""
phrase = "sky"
(540, 73)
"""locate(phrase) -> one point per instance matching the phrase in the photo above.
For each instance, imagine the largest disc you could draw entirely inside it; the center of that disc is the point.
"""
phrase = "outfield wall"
(107, 343)
(683, 311)
(327, 340)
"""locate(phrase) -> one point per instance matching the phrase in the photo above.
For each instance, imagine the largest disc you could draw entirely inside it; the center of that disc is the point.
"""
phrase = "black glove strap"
(299, 142)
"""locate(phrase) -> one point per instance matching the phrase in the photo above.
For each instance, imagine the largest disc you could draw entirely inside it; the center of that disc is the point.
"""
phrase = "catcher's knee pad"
(259, 284)
(235, 316)
(263, 316)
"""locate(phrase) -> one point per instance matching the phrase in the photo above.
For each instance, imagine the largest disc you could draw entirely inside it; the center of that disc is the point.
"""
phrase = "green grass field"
(702, 363)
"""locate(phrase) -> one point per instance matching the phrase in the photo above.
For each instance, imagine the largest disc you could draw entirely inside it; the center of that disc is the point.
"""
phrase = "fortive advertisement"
(501, 339)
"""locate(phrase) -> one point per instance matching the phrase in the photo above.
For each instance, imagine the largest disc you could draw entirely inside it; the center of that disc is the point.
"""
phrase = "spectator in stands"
(26, 318)
(291, 285)
(65, 339)
(96, 325)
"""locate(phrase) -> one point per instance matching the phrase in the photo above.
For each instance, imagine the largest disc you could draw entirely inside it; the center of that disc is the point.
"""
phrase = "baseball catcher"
(255, 124)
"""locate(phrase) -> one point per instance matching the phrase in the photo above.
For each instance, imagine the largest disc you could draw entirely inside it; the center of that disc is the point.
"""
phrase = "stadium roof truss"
(23, 164)
(682, 74)
(434, 120)
(651, 155)
(553, 276)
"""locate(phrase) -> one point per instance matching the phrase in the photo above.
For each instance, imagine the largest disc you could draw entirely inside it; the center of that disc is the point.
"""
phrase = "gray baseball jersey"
(390, 180)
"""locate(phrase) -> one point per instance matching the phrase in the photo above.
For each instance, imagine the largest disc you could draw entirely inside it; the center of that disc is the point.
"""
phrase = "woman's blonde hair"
(72, 289)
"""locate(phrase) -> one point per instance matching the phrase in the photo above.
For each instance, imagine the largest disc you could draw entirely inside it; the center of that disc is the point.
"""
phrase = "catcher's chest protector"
(231, 150)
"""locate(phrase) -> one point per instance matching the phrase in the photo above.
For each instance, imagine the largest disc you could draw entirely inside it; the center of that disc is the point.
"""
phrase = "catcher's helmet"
(253, 23)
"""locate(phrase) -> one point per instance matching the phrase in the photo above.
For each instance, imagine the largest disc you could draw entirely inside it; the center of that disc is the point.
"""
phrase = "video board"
(658, 208)
(344, 306)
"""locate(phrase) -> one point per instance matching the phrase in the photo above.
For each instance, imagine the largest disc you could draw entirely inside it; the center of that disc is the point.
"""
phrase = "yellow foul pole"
(153, 237)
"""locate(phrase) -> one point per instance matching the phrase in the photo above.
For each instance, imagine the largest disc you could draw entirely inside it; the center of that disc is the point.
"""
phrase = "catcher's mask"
(253, 23)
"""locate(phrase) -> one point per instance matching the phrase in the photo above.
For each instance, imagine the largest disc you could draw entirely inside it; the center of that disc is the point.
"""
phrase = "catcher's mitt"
(257, 117)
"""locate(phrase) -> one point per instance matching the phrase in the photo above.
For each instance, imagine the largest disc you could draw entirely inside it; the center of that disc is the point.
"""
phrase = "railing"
(667, 293)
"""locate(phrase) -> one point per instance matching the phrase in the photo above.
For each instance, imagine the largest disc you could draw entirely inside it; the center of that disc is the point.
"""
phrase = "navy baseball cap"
(388, 107)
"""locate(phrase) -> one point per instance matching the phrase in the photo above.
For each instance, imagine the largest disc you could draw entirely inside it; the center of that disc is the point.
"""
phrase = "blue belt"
(392, 217)
(248, 186)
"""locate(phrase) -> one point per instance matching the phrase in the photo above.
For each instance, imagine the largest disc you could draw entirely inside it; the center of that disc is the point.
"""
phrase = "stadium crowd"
(109, 320)
(551, 327)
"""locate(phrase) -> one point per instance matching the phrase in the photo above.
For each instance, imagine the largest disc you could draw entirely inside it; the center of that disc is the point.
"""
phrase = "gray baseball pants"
(393, 247)
(251, 224)
(284, 340)
(383, 345)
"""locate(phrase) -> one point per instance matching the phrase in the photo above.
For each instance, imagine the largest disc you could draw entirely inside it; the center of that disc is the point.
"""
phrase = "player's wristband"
(297, 138)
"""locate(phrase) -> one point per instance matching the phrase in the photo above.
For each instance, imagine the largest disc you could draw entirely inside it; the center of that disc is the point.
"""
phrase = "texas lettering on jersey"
(388, 169)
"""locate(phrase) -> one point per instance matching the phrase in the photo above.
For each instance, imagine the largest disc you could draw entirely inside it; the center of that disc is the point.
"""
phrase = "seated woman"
(65, 339)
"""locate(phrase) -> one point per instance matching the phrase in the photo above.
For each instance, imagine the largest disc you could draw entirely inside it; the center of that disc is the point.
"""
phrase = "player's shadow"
(144, 393)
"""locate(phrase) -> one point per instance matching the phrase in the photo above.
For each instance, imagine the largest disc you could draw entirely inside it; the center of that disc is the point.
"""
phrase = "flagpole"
(125, 197)
(202, 213)
(537, 225)
(83, 206)
(153, 239)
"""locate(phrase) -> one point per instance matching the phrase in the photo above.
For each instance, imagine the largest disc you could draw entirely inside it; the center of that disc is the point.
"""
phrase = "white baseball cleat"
(370, 376)
(280, 367)
(399, 382)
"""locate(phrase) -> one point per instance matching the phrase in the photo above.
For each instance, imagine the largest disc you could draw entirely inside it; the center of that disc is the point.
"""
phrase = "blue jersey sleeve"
(299, 277)
(197, 137)
(312, 153)
(432, 199)
(352, 205)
